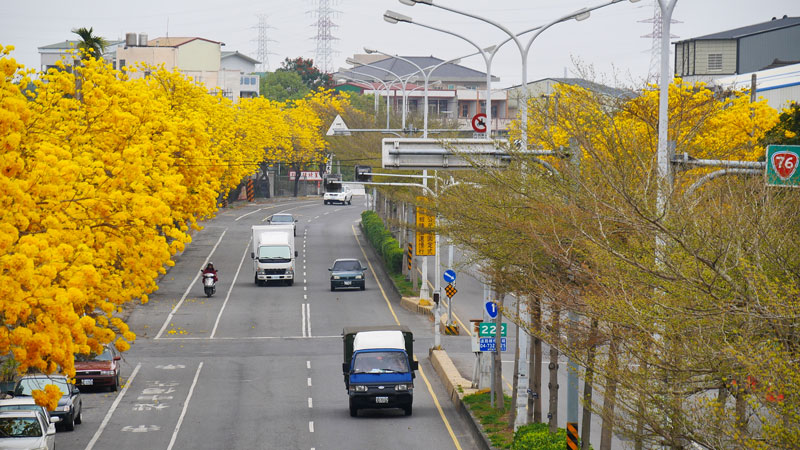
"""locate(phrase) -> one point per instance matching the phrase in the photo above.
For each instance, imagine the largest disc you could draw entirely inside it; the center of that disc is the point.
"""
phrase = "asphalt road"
(260, 367)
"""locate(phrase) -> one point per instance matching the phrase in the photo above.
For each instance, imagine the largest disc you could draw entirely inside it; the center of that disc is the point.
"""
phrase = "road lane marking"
(310, 403)
(188, 289)
(305, 314)
(245, 215)
(439, 407)
(397, 321)
(247, 338)
(185, 407)
(111, 410)
(310, 426)
(308, 365)
(309, 381)
(228, 296)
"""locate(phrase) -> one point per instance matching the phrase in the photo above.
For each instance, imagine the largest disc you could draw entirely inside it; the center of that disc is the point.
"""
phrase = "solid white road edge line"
(188, 289)
(185, 407)
(111, 410)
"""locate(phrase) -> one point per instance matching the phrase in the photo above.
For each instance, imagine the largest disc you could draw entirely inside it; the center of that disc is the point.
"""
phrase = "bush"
(538, 436)
(382, 241)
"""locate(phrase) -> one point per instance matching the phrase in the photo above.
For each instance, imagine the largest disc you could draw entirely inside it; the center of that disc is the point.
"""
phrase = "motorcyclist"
(210, 269)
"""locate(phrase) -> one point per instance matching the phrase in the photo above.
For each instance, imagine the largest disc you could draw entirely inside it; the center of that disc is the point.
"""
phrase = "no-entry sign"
(479, 123)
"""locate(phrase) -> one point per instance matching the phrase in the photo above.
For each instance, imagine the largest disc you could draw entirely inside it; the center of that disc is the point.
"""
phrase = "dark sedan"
(347, 273)
(98, 370)
(69, 405)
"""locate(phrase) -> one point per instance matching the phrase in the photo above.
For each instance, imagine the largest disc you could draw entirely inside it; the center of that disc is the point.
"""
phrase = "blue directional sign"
(449, 276)
(491, 308)
(487, 344)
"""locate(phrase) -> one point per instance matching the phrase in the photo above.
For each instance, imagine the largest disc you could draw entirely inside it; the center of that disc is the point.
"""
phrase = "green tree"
(787, 131)
(283, 85)
(310, 75)
(93, 46)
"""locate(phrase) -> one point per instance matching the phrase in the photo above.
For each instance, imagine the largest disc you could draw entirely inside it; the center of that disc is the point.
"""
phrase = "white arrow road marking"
(141, 428)
(149, 406)
(185, 407)
(111, 410)
(171, 366)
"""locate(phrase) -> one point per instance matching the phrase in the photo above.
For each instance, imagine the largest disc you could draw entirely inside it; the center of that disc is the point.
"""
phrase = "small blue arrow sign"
(449, 276)
(491, 308)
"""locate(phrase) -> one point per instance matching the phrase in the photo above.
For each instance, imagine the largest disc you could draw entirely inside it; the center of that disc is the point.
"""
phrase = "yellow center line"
(397, 321)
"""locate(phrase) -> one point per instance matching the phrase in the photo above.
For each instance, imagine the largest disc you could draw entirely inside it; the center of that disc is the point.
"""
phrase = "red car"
(98, 370)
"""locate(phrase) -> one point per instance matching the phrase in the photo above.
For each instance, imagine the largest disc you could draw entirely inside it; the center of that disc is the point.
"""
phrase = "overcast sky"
(610, 41)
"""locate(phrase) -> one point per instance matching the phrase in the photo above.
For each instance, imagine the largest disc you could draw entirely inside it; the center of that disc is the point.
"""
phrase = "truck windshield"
(281, 252)
(380, 362)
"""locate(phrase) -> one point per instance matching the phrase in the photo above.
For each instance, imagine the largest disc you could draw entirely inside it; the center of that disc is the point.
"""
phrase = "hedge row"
(383, 242)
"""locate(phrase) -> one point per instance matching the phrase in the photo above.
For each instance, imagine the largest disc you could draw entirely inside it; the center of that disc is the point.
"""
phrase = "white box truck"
(273, 253)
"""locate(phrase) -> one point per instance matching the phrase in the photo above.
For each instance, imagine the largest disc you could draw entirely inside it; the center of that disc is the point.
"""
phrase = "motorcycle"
(209, 285)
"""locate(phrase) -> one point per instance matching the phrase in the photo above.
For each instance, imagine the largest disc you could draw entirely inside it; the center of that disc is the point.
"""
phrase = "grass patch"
(494, 421)
(403, 286)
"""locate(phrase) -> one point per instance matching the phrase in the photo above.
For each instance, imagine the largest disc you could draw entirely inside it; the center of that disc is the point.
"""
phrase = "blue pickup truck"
(379, 367)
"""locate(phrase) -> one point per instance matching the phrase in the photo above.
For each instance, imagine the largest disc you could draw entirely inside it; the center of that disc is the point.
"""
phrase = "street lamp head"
(369, 51)
(414, 2)
(583, 14)
(394, 17)
(352, 62)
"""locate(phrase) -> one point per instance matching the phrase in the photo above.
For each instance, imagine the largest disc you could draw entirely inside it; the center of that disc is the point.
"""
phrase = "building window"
(464, 110)
(715, 62)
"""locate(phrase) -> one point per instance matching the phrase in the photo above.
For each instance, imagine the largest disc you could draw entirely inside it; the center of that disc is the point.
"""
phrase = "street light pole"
(403, 82)
(385, 86)
(425, 75)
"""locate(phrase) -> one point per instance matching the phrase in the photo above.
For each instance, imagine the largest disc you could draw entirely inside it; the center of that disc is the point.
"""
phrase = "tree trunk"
(586, 426)
(296, 179)
(552, 413)
(498, 365)
(536, 367)
(512, 418)
(610, 396)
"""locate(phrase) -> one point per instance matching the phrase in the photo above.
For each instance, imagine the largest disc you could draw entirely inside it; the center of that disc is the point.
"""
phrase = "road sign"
(487, 344)
(491, 308)
(338, 127)
(450, 291)
(782, 161)
(449, 276)
(488, 329)
(479, 123)
(426, 241)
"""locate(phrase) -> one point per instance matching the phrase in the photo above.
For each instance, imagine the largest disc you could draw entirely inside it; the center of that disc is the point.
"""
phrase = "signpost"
(782, 161)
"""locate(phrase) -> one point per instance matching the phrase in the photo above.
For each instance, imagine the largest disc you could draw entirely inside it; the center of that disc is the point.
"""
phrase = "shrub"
(383, 242)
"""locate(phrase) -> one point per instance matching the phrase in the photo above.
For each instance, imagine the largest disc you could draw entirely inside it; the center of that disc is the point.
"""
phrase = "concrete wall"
(153, 56)
(199, 56)
(760, 50)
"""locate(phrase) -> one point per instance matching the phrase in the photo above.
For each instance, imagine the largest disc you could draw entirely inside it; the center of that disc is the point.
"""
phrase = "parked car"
(70, 404)
(343, 196)
(347, 273)
(25, 404)
(283, 219)
(101, 370)
(26, 430)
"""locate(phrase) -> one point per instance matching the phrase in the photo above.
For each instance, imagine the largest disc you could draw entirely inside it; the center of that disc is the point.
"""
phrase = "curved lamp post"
(385, 86)
(403, 82)
(580, 14)
(425, 75)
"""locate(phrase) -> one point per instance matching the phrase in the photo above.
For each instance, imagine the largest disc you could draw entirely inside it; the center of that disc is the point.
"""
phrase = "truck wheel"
(255, 279)
(290, 282)
(349, 202)
(333, 288)
(363, 286)
(353, 409)
(408, 410)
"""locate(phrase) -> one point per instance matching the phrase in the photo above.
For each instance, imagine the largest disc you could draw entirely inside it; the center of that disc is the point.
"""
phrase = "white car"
(26, 430)
(344, 196)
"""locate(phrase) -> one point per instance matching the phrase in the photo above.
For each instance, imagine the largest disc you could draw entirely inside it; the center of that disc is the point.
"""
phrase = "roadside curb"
(457, 387)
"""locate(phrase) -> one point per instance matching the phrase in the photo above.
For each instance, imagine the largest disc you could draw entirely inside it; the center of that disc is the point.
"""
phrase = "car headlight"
(401, 387)
(358, 277)
(336, 277)
(64, 408)
(106, 372)
(358, 388)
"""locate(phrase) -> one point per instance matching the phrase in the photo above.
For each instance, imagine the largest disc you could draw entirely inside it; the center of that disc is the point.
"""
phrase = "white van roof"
(379, 339)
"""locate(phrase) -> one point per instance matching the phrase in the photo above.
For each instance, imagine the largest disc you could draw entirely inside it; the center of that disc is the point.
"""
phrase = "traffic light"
(363, 173)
